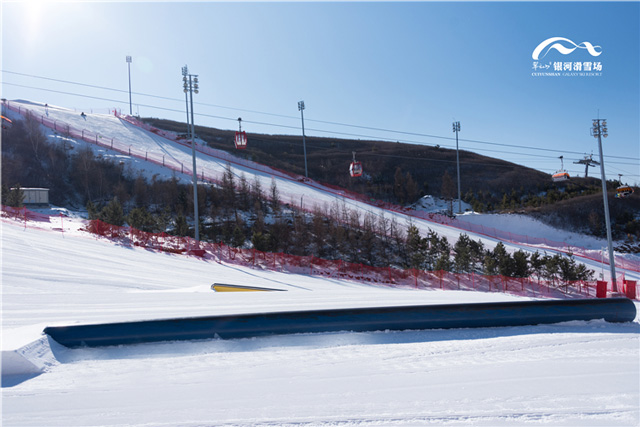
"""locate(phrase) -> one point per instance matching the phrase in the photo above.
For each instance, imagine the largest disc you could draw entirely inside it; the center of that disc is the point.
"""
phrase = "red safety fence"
(506, 236)
(313, 266)
(216, 177)
(339, 269)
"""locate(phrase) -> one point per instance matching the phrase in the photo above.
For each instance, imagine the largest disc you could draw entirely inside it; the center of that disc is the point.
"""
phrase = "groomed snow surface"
(575, 374)
(571, 374)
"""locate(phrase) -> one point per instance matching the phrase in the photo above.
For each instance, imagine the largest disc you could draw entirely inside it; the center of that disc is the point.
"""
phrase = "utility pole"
(304, 145)
(456, 129)
(599, 130)
(190, 85)
(587, 162)
(129, 67)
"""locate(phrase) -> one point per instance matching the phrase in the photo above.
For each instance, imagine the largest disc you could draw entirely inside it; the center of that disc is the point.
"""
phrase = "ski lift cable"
(370, 154)
(292, 117)
(373, 138)
(293, 127)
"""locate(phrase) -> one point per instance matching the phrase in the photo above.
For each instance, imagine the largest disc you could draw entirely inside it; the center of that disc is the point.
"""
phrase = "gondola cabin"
(560, 176)
(241, 140)
(241, 136)
(623, 191)
(355, 169)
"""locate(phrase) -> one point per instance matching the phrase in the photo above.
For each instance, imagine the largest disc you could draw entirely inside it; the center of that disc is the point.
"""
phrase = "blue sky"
(411, 67)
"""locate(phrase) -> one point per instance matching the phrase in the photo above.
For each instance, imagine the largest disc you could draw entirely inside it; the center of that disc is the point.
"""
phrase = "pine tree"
(238, 236)
(551, 267)
(443, 263)
(181, 226)
(163, 219)
(245, 193)
(228, 189)
(462, 259)
(257, 194)
(141, 219)
(476, 249)
(319, 232)
(521, 264)
(490, 265)
(433, 249)
(537, 265)
(275, 197)
(503, 260)
(15, 197)
(112, 213)
(416, 248)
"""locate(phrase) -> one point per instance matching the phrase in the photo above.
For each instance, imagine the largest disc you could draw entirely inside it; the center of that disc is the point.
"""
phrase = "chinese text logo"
(564, 68)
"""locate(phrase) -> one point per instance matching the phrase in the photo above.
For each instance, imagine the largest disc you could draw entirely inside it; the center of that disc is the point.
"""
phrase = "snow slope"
(126, 135)
(576, 373)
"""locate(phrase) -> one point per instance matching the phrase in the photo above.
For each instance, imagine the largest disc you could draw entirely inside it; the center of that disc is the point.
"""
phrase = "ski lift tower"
(456, 129)
(190, 86)
(129, 67)
(599, 130)
(587, 162)
(304, 145)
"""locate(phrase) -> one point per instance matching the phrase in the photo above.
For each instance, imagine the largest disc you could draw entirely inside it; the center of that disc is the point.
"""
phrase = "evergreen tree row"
(241, 213)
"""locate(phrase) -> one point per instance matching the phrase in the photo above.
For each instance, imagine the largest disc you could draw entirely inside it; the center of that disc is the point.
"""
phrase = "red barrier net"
(335, 269)
(338, 269)
(159, 159)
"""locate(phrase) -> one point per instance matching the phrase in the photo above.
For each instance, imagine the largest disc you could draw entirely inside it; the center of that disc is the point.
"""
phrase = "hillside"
(328, 161)
(402, 173)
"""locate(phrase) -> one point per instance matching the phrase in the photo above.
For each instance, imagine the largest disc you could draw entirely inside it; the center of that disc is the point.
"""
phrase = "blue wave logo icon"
(564, 46)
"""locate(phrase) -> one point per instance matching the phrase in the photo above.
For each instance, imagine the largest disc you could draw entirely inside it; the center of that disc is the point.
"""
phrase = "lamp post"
(456, 129)
(129, 67)
(185, 73)
(599, 130)
(304, 145)
(190, 86)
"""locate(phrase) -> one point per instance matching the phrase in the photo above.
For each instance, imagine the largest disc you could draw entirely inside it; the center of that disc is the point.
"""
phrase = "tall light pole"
(304, 145)
(599, 130)
(185, 73)
(456, 129)
(190, 86)
(129, 67)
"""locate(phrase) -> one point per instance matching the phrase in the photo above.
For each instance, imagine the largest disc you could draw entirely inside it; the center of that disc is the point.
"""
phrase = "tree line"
(241, 213)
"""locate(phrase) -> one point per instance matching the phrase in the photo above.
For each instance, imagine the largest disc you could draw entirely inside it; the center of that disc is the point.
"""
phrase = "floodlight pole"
(129, 67)
(190, 85)
(304, 145)
(456, 129)
(185, 73)
(599, 130)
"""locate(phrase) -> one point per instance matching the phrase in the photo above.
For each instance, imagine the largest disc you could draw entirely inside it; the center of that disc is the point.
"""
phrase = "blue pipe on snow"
(477, 315)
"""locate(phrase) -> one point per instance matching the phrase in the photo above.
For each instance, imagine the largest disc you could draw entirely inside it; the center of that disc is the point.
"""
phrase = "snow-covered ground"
(577, 373)
(308, 195)
(572, 374)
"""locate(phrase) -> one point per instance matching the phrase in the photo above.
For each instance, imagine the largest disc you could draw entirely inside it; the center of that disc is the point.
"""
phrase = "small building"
(35, 196)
